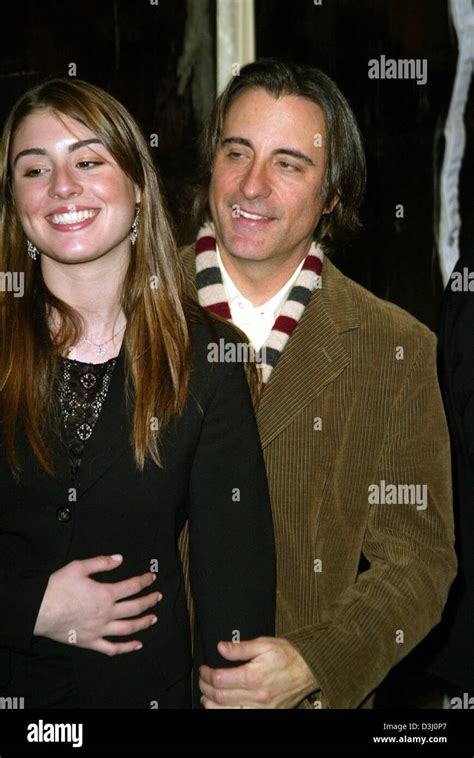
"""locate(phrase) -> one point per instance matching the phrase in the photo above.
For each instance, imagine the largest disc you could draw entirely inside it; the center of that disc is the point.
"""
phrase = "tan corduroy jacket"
(351, 413)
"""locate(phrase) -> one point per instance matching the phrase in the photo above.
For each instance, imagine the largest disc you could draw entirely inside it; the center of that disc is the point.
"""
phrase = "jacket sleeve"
(393, 605)
(21, 595)
(231, 543)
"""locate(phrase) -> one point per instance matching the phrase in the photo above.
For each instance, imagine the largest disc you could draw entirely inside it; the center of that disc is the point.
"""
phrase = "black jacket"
(214, 473)
(449, 649)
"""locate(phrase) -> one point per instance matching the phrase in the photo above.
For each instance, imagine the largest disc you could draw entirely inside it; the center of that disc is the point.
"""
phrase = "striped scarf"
(212, 295)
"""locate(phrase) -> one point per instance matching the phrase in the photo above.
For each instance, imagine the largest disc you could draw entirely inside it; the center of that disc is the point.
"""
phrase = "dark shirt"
(82, 392)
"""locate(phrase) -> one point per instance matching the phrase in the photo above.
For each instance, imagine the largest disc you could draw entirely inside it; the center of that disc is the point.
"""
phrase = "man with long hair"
(350, 417)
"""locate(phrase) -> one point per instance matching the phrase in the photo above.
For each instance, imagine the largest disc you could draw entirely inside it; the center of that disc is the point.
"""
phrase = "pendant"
(101, 351)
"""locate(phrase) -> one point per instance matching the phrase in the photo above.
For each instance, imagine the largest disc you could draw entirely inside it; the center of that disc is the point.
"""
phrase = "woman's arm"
(21, 595)
(43, 604)
(231, 551)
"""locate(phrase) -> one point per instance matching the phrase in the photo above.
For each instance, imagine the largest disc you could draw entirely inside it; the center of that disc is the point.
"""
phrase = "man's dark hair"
(346, 170)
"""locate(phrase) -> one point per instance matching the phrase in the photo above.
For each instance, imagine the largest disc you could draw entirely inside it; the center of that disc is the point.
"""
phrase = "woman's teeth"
(73, 218)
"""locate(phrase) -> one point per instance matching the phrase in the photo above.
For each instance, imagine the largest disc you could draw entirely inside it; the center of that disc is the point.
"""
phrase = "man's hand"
(276, 676)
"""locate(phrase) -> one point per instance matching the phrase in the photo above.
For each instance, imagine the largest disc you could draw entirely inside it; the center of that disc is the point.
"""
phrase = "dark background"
(131, 48)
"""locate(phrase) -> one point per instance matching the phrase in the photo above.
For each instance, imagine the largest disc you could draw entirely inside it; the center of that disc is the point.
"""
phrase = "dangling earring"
(32, 250)
(134, 232)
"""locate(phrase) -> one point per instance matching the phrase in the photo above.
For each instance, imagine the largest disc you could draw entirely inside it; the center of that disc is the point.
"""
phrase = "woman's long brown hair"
(156, 342)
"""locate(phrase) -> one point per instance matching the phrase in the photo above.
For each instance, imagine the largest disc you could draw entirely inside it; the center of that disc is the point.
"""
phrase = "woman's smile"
(68, 220)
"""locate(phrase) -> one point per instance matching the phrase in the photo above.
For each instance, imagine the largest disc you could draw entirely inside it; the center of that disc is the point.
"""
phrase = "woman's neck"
(94, 291)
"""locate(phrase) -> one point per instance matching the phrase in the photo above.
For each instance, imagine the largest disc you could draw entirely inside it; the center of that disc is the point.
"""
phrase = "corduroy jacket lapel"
(314, 355)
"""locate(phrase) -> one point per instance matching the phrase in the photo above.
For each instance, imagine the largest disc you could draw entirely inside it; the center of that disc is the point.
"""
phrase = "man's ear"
(329, 207)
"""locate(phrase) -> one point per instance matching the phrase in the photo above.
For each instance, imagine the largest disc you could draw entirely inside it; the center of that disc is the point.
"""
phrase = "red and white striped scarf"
(212, 295)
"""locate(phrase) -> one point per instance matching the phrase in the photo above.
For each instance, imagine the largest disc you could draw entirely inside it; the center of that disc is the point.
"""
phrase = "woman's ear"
(138, 194)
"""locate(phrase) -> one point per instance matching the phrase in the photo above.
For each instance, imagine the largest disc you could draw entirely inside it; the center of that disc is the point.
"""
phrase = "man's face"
(265, 190)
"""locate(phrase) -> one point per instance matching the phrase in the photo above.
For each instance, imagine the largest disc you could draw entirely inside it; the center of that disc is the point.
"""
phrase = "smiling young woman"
(103, 461)
(65, 181)
(43, 182)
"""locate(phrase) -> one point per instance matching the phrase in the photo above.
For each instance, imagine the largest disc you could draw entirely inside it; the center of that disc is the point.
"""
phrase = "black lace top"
(82, 391)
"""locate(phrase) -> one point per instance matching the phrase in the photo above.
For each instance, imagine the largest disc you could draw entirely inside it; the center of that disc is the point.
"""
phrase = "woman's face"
(73, 200)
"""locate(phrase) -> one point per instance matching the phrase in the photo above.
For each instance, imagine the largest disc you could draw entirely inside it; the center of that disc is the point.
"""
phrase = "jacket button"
(63, 514)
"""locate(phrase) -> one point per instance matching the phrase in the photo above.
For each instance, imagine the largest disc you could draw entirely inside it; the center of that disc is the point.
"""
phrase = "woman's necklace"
(101, 350)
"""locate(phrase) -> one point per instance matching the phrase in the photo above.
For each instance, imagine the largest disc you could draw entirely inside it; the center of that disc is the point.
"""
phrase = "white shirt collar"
(256, 322)
(275, 302)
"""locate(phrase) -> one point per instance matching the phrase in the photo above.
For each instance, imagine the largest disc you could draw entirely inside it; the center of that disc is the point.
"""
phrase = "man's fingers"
(208, 704)
(242, 677)
(246, 649)
(232, 698)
